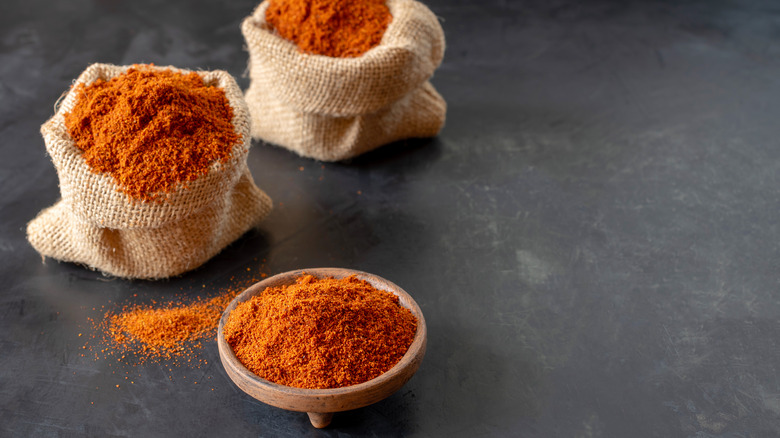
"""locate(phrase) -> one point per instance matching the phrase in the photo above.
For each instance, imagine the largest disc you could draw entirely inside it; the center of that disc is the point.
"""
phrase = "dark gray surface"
(593, 237)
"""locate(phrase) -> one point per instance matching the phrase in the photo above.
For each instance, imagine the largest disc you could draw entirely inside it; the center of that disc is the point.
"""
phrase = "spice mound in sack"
(320, 333)
(336, 108)
(159, 181)
(337, 28)
(151, 129)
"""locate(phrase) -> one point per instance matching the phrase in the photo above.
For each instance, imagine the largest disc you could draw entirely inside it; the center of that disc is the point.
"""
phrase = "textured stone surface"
(593, 237)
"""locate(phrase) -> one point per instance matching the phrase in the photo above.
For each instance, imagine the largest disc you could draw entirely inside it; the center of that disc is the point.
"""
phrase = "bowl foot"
(320, 420)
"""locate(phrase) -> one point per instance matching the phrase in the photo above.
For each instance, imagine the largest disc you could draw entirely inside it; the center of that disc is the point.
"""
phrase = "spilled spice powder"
(168, 330)
(320, 333)
(337, 28)
(152, 129)
(172, 331)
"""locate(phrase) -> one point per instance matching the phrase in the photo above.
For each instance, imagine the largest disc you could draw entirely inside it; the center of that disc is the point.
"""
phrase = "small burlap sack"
(97, 225)
(330, 108)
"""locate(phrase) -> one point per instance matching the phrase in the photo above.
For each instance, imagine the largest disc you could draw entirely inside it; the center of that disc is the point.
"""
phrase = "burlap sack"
(95, 224)
(336, 108)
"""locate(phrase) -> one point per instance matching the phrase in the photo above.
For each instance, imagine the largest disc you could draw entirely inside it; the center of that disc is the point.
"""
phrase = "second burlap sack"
(331, 108)
(96, 224)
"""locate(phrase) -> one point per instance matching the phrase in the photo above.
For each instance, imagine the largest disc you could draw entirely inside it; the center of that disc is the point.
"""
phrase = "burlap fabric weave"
(97, 225)
(336, 108)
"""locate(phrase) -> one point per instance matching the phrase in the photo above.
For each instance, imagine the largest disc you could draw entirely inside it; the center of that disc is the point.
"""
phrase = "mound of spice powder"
(166, 331)
(152, 129)
(171, 331)
(337, 28)
(320, 333)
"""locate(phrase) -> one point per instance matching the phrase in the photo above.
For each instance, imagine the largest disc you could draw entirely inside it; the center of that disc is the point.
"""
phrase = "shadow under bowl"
(320, 404)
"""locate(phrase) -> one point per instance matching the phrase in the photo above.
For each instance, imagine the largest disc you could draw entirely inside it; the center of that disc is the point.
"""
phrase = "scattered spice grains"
(152, 129)
(321, 333)
(336, 28)
(171, 331)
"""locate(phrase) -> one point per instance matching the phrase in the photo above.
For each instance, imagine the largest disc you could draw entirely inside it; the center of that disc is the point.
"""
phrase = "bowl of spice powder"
(322, 340)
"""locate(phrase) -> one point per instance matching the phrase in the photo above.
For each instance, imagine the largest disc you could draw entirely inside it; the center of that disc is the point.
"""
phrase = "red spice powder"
(320, 333)
(152, 129)
(171, 331)
(168, 330)
(337, 28)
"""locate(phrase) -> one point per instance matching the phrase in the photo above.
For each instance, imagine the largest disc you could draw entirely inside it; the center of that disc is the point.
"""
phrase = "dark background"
(593, 237)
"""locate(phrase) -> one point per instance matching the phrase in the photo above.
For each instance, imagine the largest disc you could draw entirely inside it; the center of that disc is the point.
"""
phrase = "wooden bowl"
(320, 404)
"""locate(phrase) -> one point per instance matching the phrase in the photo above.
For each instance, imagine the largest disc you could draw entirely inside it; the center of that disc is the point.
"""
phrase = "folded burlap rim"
(411, 49)
(95, 197)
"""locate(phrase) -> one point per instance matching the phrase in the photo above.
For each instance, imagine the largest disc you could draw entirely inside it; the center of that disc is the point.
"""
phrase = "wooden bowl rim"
(412, 356)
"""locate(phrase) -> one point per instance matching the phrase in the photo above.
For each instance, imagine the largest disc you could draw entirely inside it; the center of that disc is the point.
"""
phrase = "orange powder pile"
(166, 331)
(337, 28)
(151, 130)
(321, 333)
(171, 333)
